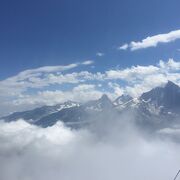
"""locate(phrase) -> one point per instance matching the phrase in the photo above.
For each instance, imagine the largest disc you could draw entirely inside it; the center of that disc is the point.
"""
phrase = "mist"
(28, 152)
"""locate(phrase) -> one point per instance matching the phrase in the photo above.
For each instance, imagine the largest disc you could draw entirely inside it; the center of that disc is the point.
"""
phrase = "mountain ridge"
(152, 106)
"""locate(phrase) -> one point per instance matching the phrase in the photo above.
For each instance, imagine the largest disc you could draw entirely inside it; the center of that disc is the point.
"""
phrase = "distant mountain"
(160, 107)
(34, 115)
(167, 97)
(157, 108)
(99, 105)
(79, 115)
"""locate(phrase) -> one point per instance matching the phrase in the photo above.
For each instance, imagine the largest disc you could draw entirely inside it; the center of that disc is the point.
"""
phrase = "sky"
(51, 51)
(78, 50)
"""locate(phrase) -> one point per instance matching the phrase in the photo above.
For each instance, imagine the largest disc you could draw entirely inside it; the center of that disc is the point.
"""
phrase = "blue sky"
(54, 51)
(40, 33)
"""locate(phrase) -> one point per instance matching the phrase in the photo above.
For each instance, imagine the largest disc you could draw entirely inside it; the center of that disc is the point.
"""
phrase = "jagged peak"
(167, 96)
(105, 100)
(171, 84)
(104, 97)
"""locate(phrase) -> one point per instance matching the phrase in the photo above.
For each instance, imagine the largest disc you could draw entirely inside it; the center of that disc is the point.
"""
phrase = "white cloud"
(88, 62)
(123, 47)
(100, 54)
(131, 73)
(152, 41)
(80, 93)
(143, 78)
(46, 69)
(28, 152)
(118, 90)
(170, 65)
(146, 83)
(38, 78)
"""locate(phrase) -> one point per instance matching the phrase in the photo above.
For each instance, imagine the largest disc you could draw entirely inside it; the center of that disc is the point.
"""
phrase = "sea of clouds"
(28, 152)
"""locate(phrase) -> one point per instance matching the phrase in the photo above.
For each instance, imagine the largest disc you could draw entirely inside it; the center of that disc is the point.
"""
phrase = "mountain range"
(156, 109)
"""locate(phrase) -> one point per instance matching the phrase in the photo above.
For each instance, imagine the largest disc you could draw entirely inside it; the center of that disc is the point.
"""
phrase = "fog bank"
(28, 152)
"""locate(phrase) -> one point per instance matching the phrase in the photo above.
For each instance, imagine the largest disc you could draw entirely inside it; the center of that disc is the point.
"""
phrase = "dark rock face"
(168, 96)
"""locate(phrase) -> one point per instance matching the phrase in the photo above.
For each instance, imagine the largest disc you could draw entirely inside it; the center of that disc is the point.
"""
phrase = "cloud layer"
(33, 153)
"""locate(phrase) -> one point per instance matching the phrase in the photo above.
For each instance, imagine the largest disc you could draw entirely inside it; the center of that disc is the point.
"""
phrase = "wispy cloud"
(123, 47)
(88, 62)
(38, 78)
(152, 41)
(100, 54)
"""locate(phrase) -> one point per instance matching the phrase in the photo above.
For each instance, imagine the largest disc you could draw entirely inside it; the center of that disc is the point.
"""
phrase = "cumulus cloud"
(28, 152)
(118, 91)
(140, 79)
(152, 41)
(170, 65)
(130, 73)
(80, 93)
